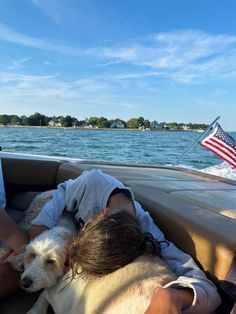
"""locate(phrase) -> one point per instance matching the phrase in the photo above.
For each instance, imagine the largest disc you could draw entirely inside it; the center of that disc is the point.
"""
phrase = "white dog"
(44, 258)
(126, 290)
(116, 239)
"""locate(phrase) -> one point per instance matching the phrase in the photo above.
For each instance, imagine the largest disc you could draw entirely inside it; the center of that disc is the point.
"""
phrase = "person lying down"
(115, 268)
(90, 193)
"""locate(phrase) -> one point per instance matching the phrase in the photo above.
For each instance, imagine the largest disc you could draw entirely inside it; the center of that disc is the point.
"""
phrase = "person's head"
(107, 243)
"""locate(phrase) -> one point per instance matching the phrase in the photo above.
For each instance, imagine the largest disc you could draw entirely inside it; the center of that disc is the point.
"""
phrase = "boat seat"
(215, 200)
(16, 215)
(18, 203)
(22, 175)
(18, 303)
(23, 182)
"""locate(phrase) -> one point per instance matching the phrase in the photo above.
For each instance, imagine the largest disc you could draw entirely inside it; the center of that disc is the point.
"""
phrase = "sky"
(172, 60)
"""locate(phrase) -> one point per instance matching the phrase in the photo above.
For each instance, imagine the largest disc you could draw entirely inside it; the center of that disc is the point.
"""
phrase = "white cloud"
(90, 85)
(16, 64)
(182, 56)
(20, 85)
(9, 77)
(63, 12)
(219, 93)
(9, 35)
(52, 8)
(50, 87)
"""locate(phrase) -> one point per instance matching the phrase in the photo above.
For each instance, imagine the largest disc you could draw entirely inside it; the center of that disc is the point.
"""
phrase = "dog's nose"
(26, 282)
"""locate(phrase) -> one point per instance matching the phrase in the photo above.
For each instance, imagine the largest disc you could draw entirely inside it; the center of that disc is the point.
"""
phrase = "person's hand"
(170, 301)
(36, 230)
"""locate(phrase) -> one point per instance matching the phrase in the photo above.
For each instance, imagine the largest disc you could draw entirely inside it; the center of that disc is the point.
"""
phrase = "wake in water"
(222, 170)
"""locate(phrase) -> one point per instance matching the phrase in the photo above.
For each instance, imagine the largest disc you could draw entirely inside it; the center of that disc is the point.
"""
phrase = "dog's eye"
(50, 261)
(32, 255)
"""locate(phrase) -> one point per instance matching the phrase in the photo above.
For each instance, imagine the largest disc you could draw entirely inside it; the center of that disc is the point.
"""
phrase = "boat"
(196, 211)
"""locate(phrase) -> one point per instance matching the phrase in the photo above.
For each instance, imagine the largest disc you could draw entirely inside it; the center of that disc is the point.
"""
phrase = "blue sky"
(164, 60)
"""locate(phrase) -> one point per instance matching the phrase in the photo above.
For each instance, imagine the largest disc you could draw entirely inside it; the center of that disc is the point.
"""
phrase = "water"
(161, 148)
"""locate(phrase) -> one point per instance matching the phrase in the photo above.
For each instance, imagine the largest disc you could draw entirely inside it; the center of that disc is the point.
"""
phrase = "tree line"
(38, 119)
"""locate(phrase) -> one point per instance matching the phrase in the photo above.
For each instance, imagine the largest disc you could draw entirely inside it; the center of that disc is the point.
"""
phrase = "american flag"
(221, 144)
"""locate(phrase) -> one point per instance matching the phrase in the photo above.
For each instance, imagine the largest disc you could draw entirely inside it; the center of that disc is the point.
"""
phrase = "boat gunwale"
(117, 164)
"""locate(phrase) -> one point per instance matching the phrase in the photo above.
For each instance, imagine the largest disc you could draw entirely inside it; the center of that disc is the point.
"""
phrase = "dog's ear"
(66, 265)
(63, 261)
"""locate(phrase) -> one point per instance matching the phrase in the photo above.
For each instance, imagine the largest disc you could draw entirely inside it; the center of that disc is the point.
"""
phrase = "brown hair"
(107, 243)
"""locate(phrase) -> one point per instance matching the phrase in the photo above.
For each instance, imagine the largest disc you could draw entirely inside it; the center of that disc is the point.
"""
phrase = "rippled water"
(162, 148)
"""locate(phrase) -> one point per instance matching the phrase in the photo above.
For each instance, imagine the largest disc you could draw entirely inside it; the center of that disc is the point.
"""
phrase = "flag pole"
(197, 140)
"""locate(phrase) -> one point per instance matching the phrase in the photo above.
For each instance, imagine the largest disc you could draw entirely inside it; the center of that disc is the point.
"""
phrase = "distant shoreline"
(92, 129)
(99, 129)
(66, 128)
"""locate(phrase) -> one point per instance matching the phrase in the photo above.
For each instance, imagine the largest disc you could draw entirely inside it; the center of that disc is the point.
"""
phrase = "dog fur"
(35, 207)
(126, 290)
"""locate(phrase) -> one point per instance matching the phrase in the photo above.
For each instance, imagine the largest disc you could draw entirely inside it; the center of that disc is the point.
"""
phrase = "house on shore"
(154, 125)
(117, 125)
(54, 123)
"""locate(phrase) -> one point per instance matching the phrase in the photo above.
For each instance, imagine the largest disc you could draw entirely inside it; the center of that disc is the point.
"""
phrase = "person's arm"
(36, 230)
(50, 214)
(10, 233)
(170, 301)
(189, 276)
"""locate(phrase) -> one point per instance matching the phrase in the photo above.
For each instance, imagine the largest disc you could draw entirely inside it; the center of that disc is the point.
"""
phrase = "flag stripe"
(216, 150)
(219, 154)
(221, 148)
(221, 144)
(229, 148)
(233, 165)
